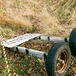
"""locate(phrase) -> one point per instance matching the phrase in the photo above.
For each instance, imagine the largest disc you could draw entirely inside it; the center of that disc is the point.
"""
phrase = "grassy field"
(51, 17)
(48, 17)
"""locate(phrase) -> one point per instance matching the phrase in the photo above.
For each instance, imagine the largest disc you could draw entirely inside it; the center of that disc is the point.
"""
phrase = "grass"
(49, 14)
(24, 65)
(51, 17)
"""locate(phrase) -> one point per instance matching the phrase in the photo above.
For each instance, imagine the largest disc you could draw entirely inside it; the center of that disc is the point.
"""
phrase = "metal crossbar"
(18, 40)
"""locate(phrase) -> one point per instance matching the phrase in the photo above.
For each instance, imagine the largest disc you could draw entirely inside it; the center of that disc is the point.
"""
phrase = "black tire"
(52, 62)
(72, 42)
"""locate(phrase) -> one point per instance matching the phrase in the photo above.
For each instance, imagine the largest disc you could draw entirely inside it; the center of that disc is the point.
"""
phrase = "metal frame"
(12, 44)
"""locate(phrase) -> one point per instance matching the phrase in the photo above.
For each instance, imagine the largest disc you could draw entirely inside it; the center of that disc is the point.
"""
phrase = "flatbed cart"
(57, 59)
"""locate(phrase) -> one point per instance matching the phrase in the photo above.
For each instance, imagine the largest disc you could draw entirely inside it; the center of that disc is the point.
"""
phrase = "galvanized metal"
(12, 43)
(53, 38)
(31, 52)
(18, 40)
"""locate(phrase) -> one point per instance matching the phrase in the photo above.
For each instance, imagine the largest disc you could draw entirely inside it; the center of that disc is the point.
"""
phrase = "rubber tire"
(53, 53)
(72, 42)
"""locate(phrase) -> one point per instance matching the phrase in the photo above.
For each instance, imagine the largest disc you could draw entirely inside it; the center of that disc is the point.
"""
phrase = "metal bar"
(19, 40)
(31, 52)
(53, 38)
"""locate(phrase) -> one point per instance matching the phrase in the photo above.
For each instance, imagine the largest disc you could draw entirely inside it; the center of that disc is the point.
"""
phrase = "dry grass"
(42, 16)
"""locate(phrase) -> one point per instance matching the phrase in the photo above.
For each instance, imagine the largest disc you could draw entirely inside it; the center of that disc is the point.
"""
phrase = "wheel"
(72, 42)
(58, 60)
